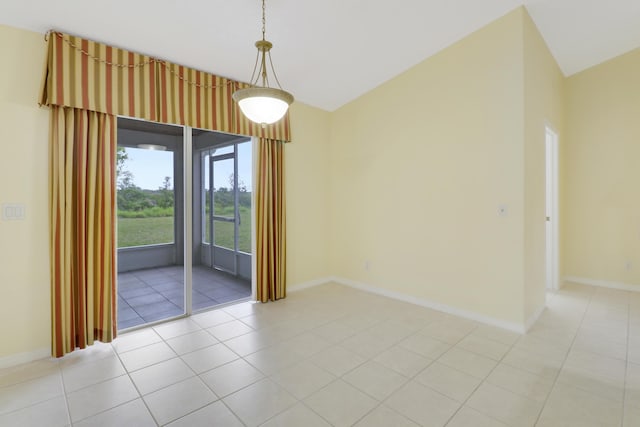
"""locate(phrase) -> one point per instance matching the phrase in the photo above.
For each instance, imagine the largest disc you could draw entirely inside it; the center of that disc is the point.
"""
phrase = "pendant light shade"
(263, 104)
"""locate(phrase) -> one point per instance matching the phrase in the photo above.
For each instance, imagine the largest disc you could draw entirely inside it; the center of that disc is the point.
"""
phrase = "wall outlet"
(367, 265)
(503, 210)
(628, 265)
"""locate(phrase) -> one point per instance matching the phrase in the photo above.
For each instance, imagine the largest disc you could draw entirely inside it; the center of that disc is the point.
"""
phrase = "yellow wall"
(419, 167)
(400, 188)
(24, 255)
(24, 245)
(544, 105)
(307, 187)
(602, 173)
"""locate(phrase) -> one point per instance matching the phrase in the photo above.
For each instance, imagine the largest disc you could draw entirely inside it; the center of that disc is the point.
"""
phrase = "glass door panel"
(224, 203)
(222, 216)
(245, 178)
(149, 223)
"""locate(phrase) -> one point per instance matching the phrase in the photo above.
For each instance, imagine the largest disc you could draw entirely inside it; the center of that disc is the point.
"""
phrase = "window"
(146, 197)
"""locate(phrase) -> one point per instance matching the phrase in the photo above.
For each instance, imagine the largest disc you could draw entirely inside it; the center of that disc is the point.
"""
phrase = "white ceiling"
(327, 52)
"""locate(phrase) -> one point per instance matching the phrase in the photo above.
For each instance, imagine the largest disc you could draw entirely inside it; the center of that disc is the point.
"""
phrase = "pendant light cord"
(260, 66)
(264, 19)
(265, 81)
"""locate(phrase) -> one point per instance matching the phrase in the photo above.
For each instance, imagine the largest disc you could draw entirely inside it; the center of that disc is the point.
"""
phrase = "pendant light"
(261, 103)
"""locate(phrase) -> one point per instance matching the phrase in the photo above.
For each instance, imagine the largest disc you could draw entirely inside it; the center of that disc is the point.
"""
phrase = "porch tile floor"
(153, 294)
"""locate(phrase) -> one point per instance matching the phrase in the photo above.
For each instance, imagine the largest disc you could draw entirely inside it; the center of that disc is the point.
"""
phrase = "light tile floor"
(336, 356)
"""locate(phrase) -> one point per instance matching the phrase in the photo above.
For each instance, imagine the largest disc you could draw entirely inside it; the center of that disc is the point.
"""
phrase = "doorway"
(222, 212)
(551, 208)
(184, 220)
(226, 208)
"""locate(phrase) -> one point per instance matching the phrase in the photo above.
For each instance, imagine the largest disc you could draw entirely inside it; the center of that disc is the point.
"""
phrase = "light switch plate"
(13, 211)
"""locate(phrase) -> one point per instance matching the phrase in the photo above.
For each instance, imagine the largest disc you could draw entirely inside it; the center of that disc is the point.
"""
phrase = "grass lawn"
(224, 232)
(144, 231)
(156, 230)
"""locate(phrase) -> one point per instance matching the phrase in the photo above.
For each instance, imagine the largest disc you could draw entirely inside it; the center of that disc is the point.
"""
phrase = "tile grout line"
(197, 375)
(555, 380)
(144, 402)
(411, 378)
(64, 392)
(591, 304)
(298, 400)
(148, 282)
(462, 404)
(512, 346)
(177, 356)
(626, 365)
(308, 359)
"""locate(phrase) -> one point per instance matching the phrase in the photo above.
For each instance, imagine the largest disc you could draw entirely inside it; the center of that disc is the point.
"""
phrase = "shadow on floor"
(158, 293)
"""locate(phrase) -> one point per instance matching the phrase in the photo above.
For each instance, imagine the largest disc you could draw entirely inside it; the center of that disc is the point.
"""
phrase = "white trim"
(511, 326)
(254, 247)
(534, 317)
(603, 283)
(309, 284)
(17, 359)
(187, 215)
(26, 357)
(552, 243)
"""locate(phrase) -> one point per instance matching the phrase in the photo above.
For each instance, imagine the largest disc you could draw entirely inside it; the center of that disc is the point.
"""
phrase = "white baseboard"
(26, 357)
(603, 283)
(511, 326)
(20, 358)
(309, 284)
(534, 317)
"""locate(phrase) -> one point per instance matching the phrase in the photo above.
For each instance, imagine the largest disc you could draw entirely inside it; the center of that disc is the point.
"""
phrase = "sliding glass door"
(150, 219)
(154, 179)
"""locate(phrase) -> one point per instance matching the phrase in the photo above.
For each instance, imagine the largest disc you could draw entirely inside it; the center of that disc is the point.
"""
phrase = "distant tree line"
(132, 198)
(134, 201)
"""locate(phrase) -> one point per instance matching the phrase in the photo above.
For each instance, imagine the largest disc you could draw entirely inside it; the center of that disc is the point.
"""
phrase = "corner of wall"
(307, 187)
(600, 152)
(24, 249)
(543, 106)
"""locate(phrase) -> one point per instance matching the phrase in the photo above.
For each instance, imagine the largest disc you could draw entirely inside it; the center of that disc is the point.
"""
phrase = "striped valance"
(84, 74)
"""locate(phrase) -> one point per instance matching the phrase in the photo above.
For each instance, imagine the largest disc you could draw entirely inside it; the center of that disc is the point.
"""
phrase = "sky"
(149, 167)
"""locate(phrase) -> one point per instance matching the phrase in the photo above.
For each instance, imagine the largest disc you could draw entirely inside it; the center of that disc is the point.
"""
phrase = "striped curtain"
(88, 84)
(84, 74)
(82, 241)
(270, 221)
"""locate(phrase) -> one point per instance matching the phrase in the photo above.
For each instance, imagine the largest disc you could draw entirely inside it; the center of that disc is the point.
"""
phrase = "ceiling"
(327, 52)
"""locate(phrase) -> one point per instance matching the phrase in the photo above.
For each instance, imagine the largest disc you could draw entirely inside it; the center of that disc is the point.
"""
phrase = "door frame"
(189, 197)
(187, 135)
(237, 259)
(551, 209)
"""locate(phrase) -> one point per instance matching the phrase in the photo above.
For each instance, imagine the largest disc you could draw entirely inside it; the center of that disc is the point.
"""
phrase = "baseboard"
(534, 318)
(309, 284)
(26, 357)
(603, 283)
(510, 326)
